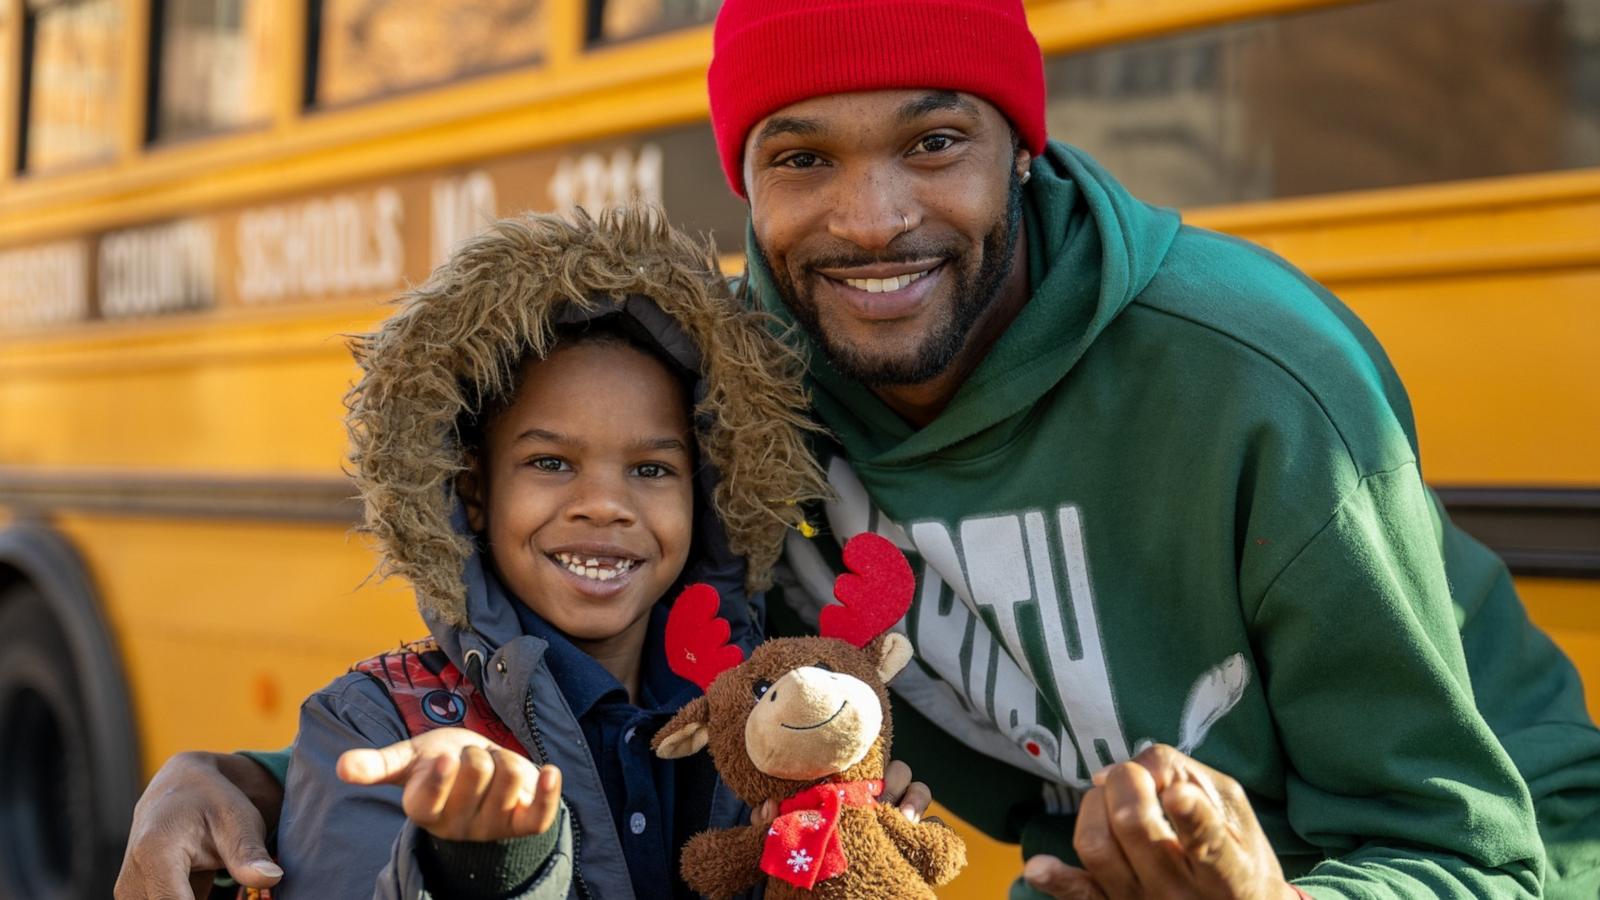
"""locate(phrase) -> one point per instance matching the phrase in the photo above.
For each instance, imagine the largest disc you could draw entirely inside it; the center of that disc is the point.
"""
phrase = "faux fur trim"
(457, 339)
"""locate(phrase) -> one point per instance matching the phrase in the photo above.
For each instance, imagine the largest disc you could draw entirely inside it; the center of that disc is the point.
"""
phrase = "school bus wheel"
(43, 778)
(69, 768)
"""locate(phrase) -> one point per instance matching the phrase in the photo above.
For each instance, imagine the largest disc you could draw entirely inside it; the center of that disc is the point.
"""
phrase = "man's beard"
(973, 292)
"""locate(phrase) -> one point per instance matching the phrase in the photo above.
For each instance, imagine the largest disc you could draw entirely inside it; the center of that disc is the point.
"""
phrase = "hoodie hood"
(454, 347)
(1092, 248)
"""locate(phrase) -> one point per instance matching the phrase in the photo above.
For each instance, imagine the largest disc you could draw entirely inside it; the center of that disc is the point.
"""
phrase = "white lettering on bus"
(462, 206)
(330, 245)
(44, 285)
(158, 269)
(593, 182)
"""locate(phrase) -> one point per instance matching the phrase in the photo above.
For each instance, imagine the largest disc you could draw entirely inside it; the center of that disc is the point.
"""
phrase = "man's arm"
(202, 812)
(1393, 774)
(276, 762)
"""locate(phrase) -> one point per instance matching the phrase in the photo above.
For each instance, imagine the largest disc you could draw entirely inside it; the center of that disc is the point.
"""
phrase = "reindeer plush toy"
(805, 721)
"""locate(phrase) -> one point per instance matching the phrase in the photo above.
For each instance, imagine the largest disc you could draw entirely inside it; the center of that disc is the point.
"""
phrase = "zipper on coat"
(580, 886)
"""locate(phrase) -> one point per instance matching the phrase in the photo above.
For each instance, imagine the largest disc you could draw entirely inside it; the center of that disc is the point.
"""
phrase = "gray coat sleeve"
(337, 840)
(402, 877)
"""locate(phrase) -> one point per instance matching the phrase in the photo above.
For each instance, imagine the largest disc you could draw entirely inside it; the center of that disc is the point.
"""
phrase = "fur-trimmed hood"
(454, 347)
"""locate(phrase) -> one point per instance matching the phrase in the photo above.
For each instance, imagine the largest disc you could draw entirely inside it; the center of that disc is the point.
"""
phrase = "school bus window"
(616, 20)
(368, 48)
(72, 97)
(10, 125)
(1583, 34)
(211, 66)
(1350, 98)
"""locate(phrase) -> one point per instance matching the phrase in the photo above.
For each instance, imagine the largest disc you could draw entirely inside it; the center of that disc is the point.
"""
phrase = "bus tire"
(69, 770)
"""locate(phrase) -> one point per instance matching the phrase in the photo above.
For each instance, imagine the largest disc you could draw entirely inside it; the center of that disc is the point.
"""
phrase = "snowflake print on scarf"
(802, 845)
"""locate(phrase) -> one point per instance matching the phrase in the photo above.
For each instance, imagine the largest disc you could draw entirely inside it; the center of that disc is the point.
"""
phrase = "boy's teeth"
(880, 285)
(593, 567)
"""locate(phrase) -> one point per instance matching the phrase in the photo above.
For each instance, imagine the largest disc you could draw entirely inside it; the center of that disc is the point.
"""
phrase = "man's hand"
(461, 786)
(201, 812)
(913, 797)
(1164, 825)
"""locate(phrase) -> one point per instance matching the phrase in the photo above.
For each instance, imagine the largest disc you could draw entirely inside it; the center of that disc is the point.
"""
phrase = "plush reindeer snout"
(812, 723)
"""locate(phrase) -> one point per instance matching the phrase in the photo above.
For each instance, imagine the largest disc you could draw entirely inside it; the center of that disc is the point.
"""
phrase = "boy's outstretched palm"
(461, 786)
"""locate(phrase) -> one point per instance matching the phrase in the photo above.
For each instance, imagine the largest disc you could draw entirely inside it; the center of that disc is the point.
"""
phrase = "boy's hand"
(1164, 825)
(913, 797)
(461, 786)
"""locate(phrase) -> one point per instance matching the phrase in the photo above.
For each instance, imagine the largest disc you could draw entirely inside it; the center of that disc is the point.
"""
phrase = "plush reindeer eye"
(760, 688)
(824, 667)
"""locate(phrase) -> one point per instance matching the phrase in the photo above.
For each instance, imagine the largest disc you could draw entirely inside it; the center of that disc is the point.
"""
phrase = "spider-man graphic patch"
(430, 692)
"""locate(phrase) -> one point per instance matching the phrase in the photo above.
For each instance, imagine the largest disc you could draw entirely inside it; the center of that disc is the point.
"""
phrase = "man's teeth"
(600, 569)
(879, 285)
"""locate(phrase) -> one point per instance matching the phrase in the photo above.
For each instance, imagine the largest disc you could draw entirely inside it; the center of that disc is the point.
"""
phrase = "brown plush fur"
(888, 855)
(454, 346)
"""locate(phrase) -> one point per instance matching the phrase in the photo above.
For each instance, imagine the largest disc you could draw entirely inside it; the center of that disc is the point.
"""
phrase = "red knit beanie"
(771, 53)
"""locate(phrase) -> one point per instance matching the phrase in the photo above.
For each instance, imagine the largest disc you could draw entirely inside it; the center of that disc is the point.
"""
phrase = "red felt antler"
(697, 638)
(876, 591)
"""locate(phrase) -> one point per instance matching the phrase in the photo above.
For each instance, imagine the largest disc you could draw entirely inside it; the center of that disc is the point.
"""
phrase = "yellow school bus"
(199, 197)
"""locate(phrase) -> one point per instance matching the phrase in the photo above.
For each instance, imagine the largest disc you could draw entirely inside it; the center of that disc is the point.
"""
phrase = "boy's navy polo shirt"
(639, 786)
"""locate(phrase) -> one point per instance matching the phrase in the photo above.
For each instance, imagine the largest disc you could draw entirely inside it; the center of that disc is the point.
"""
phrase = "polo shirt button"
(636, 823)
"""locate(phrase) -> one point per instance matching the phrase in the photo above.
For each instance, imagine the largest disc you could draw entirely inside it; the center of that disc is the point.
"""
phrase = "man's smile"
(880, 285)
(883, 292)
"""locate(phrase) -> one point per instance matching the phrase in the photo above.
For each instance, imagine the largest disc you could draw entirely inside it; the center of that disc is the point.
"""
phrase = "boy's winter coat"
(453, 349)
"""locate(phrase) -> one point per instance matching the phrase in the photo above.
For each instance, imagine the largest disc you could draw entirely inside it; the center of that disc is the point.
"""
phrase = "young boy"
(538, 436)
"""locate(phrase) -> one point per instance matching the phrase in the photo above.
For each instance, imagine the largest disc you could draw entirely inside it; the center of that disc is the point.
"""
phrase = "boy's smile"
(596, 570)
(584, 491)
(595, 564)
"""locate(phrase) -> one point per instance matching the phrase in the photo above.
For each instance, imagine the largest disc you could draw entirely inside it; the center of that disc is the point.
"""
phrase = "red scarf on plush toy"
(802, 846)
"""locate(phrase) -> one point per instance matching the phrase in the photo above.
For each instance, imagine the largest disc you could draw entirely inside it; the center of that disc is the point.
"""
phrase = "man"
(1178, 568)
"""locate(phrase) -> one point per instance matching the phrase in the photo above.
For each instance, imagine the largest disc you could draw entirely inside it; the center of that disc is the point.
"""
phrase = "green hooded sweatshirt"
(1180, 502)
